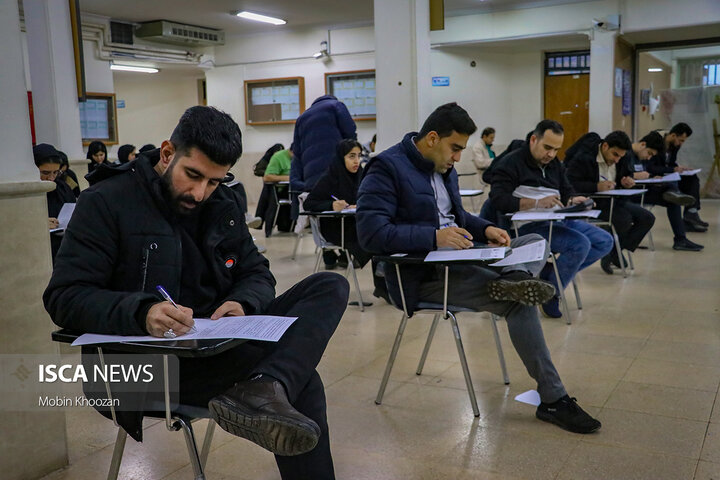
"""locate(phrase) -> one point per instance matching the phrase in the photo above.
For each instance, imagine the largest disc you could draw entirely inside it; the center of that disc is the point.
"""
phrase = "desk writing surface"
(623, 192)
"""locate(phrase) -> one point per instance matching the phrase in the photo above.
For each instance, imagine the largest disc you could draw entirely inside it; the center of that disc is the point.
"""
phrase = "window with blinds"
(696, 72)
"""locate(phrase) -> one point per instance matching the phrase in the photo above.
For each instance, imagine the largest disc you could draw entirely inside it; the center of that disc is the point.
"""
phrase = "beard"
(176, 200)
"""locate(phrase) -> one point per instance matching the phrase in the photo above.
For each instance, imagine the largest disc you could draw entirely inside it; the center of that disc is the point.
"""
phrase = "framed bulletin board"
(98, 118)
(274, 101)
(356, 89)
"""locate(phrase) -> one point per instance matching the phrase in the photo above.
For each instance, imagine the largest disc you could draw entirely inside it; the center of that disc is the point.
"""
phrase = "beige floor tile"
(673, 374)
(594, 461)
(711, 448)
(242, 459)
(681, 352)
(662, 400)
(707, 471)
(650, 433)
(603, 344)
(715, 417)
(689, 333)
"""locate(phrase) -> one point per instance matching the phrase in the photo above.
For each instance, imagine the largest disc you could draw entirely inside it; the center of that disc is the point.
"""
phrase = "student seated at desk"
(409, 202)
(667, 195)
(48, 161)
(337, 190)
(278, 170)
(666, 162)
(168, 221)
(596, 165)
(578, 243)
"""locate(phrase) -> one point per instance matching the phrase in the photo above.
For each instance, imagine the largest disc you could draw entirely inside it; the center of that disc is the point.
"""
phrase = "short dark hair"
(344, 147)
(447, 119)
(654, 140)
(374, 139)
(546, 125)
(618, 139)
(147, 147)
(487, 131)
(44, 153)
(211, 131)
(681, 128)
(95, 147)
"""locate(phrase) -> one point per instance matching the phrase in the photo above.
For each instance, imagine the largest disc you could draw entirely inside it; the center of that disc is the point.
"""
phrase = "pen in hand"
(168, 298)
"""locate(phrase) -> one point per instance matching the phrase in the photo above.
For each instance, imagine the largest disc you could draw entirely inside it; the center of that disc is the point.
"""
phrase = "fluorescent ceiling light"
(130, 68)
(655, 69)
(261, 18)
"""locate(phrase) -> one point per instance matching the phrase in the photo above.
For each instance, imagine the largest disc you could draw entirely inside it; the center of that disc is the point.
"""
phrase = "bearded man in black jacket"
(165, 219)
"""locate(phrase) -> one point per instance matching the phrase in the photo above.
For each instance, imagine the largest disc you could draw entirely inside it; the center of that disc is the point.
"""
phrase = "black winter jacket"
(122, 241)
(583, 171)
(520, 168)
(663, 162)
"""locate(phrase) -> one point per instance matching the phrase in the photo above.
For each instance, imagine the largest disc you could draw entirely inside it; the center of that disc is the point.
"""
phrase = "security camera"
(611, 22)
(598, 23)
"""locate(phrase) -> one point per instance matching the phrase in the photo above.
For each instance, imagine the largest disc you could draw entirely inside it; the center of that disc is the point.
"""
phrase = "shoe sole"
(545, 417)
(686, 249)
(692, 227)
(528, 292)
(279, 435)
(682, 201)
(255, 223)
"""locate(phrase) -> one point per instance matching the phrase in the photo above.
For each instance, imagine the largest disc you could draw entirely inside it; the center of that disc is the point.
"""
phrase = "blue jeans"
(579, 244)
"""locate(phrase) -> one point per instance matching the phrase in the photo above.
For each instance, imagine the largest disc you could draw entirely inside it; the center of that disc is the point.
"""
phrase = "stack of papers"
(64, 217)
(671, 177)
(467, 254)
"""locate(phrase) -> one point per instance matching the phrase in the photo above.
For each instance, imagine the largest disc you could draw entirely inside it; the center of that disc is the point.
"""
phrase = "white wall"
(640, 15)
(153, 105)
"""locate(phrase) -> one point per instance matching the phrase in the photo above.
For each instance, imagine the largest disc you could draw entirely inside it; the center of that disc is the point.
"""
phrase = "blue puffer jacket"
(397, 212)
(317, 133)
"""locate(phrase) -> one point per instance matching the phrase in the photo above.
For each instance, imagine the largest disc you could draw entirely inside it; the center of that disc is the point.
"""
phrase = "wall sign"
(440, 81)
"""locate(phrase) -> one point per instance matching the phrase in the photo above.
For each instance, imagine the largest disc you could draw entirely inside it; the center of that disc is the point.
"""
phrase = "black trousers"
(674, 212)
(319, 302)
(690, 185)
(631, 222)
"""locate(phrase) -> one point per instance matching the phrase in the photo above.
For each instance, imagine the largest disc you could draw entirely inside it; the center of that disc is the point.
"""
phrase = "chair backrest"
(317, 234)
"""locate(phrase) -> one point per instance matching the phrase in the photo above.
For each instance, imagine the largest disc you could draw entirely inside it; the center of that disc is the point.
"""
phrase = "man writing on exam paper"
(165, 219)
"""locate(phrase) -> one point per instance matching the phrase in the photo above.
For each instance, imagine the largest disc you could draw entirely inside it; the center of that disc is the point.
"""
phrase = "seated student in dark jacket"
(97, 155)
(597, 165)
(167, 220)
(409, 202)
(667, 195)
(47, 160)
(67, 175)
(535, 165)
(337, 190)
(666, 162)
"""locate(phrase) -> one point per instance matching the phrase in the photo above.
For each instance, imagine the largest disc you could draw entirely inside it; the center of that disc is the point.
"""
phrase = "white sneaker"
(252, 221)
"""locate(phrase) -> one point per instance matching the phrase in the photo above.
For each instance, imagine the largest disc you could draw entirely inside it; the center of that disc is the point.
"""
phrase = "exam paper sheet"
(251, 327)
(467, 254)
(532, 252)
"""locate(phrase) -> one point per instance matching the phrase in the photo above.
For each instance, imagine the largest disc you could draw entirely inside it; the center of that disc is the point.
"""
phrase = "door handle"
(566, 112)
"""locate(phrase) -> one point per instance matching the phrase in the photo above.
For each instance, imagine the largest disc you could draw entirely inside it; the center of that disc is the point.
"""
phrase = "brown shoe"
(260, 412)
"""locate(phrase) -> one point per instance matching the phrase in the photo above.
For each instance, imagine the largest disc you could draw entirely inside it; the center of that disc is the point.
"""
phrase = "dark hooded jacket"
(317, 132)
(123, 240)
(397, 212)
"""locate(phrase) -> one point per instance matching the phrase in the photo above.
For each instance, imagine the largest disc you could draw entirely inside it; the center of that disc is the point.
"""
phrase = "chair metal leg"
(428, 342)
(391, 360)
(317, 261)
(561, 292)
(351, 268)
(577, 294)
(651, 242)
(297, 244)
(192, 448)
(463, 363)
(117, 454)
(619, 251)
(501, 356)
(630, 261)
(209, 431)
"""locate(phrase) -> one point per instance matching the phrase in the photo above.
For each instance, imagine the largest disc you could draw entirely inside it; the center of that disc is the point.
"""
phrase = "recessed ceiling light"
(131, 68)
(655, 69)
(261, 18)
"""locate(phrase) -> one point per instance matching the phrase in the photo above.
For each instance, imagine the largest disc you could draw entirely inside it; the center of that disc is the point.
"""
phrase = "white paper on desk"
(535, 193)
(63, 217)
(532, 252)
(536, 215)
(531, 397)
(622, 192)
(469, 193)
(348, 210)
(251, 327)
(691, 172)
(467, 254)
(585, 214)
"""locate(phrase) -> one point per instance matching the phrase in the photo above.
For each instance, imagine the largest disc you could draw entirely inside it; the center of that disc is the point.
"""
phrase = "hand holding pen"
(338, 204)
(604, 184)
(168, 319)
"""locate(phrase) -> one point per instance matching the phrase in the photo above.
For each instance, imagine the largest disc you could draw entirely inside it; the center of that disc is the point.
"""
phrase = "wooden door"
(567, 98)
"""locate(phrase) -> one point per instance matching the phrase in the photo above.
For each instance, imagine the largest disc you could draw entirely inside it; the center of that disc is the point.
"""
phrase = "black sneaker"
(520, 287)
(694, 227)
(567, 414)
(677, 198)
(686, 245)
(694, 217)
(260, 412)
(606, 264)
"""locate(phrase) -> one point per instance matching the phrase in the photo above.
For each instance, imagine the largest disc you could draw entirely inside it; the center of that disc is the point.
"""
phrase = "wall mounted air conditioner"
(179, 34)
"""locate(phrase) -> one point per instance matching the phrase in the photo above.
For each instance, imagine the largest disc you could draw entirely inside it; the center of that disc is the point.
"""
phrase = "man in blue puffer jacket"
(409, 202)
(317, 133)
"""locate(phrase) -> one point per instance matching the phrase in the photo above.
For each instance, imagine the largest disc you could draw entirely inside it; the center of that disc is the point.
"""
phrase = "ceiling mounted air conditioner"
(179, 34)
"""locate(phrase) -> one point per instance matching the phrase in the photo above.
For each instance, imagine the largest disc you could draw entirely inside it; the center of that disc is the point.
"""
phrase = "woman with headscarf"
(97, 154)
(337, 190)
(126, 153)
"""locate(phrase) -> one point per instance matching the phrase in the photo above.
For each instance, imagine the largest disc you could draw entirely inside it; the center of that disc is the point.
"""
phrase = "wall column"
(402, 68)
(602, 78)
(32, 443)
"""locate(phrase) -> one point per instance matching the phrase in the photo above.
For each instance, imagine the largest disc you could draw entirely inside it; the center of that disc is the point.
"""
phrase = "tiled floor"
(643, 355)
